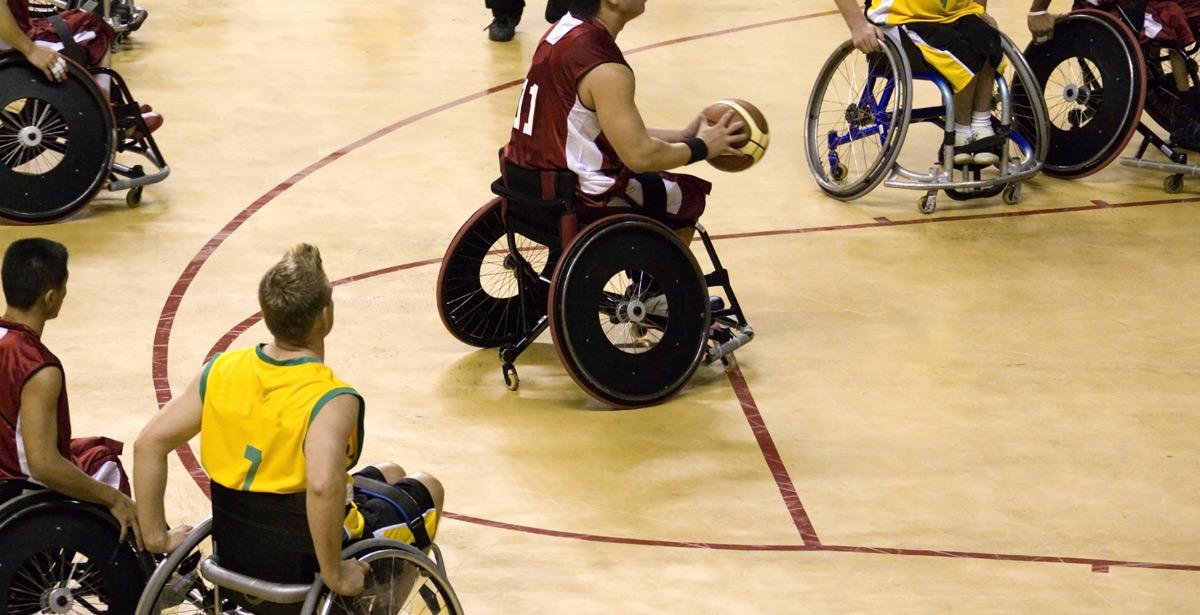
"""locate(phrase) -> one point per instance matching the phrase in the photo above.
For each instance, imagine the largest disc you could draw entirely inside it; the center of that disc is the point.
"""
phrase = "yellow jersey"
(256, 416)
(896, 12)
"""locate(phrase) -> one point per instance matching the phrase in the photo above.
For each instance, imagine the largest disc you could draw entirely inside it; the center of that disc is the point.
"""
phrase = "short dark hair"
(585, 8)
(32, 267)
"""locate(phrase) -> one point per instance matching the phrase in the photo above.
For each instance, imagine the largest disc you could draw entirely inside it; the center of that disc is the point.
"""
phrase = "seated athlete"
(37, 39)
(35, 419)
(279, 433)
(958, 39)
(577, 113)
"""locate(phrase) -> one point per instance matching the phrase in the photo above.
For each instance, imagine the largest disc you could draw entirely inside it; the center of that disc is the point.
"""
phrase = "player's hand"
(50, 63)
(165, 541)
(349, 580)
(1042, 27)
(867, 37)
(720, 136)
(123, 511)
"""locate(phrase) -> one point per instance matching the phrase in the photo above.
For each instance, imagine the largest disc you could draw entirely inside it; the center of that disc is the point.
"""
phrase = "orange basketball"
(758, 134)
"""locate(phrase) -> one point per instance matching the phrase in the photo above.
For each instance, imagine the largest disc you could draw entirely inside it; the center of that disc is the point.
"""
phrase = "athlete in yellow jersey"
(279, 433)
(957, 38)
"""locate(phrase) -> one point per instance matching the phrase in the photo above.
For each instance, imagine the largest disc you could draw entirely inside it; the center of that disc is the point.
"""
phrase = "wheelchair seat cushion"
(956, 50)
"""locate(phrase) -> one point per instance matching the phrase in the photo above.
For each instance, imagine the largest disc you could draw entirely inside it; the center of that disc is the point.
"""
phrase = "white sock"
(962, 129)
(981, 119)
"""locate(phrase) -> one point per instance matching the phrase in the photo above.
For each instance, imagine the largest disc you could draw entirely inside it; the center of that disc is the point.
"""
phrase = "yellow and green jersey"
(256, 415)
(896, 12)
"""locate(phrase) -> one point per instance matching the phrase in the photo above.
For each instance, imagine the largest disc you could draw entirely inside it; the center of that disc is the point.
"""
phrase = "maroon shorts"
(673, 199)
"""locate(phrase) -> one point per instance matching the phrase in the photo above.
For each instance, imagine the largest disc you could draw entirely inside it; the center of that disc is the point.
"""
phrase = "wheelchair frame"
(725, 330)
(313, 596)
(941, 176)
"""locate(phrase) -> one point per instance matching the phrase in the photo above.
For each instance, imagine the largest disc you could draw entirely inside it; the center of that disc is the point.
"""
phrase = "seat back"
(537, 204)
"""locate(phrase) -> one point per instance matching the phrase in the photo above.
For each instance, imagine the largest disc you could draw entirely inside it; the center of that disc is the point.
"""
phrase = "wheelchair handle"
(278, 593)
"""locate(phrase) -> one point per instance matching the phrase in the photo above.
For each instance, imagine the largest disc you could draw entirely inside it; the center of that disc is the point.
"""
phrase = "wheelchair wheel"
(629, 311)
(1093, 79)
(400, 581)
(176, 586)
(858, 115)
(57, 141)
(477, 289)
(66, 559)
(1030, 123)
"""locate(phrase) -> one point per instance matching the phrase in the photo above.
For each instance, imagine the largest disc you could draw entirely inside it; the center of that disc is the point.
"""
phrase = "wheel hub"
(58, 600)
(632, 311)
(30, 136)
(1076, 93)
(857, 115)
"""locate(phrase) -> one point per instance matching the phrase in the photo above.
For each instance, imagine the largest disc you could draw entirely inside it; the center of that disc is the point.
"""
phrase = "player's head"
(35, 276)
(296, 297)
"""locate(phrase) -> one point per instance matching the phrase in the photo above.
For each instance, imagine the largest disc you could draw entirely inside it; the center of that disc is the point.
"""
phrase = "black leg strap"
(71, 49)
(654, 195)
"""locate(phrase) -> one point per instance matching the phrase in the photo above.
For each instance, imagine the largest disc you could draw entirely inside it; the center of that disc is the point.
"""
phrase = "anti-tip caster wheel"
(1011, 194)
(133, 198)
(928, 203)
(511, 380)
(1173, 184)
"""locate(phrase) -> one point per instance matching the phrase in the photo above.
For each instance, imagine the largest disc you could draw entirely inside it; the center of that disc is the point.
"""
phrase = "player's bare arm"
(169, 429)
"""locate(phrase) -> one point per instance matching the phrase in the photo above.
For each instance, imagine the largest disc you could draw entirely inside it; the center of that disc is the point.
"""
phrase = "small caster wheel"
(1011, 194)
(133, 198)
(511, 380)
(839, 172)
(1173, 184)
(928, 203)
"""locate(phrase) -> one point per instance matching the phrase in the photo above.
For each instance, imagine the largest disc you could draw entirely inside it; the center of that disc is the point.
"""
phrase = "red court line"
(770, 453)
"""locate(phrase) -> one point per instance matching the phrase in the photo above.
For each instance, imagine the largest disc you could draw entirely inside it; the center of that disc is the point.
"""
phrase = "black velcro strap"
(654, 195)
(71, 49)
(398, 499)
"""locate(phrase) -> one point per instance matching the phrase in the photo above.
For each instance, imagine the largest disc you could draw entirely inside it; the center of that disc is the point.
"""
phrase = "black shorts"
(956, 50)
(410, 518)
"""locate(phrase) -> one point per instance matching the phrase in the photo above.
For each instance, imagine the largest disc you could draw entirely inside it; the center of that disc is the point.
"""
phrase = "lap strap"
(71, 49)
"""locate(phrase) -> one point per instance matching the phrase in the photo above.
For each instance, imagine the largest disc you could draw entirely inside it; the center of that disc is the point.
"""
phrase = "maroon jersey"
(553, 130)
(20, 10)
(22, 354)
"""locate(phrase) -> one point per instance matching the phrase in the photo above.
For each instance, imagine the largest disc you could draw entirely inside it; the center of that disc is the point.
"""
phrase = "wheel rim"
(397, 583)
(1094, 87)
(56, 142)
(857, 118)
(478, 294)
(614, 352)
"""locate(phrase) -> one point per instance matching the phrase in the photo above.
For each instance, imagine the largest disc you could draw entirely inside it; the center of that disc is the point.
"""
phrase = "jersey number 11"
(533, 91)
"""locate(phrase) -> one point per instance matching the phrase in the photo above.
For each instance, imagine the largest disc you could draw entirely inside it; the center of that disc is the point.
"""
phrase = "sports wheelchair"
(59, 555)
(1097, 79)
(400, 578)
(861, 108)
(59, 141)
(623, 297)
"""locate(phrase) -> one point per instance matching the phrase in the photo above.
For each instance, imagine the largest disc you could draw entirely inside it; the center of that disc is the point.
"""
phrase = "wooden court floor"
(991, 409)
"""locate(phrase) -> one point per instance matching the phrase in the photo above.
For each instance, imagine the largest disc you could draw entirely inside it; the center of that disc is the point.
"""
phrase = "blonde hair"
(293, 293)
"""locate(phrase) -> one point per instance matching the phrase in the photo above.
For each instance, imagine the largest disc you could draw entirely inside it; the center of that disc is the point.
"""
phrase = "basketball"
(754, 147)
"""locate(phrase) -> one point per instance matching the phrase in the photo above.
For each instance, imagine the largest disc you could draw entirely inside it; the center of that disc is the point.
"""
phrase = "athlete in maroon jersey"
(577, 113)
(35, 422)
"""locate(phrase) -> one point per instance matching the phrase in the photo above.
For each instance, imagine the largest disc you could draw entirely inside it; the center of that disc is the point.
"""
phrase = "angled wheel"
(176, 586)
(57, 141)
(477, 292)
(629, 311)
(1030, 122)
(400, 581)
(64, 557)
(1093, 79)
(858, 114)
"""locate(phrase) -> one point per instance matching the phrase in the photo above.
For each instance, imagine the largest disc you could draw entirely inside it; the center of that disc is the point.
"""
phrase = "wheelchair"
(59, 141)
(626, 303)
(861, 109)
(401, 579)
(59, 555)
(124, 17)
(1097, 79)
